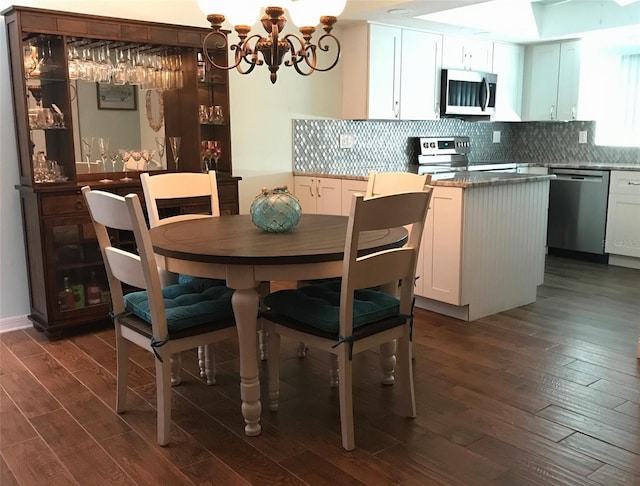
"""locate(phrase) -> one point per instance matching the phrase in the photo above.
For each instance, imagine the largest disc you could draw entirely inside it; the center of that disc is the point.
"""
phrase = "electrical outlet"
(347, 140)
(496, 136)
(582, 136)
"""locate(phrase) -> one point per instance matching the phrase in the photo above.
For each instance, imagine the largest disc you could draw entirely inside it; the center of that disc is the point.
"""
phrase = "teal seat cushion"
(186, 305)
(319, 306)
(200, 282)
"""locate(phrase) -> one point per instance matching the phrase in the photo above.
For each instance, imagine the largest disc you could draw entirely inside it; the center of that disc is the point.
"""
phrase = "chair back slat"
(382, 267)
(383, 212)
(126, 267)
(178, 185)
(391, 182)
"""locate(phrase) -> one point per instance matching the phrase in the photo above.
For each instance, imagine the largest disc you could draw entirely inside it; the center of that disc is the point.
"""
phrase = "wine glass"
(136, 155)
(125, 155)
(160, 145)
(216, 152)
(87, 148)
(147, 156)
(174, 143)
(103, 148)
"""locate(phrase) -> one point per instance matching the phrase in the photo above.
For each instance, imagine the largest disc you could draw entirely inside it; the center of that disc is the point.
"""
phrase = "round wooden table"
(232, 248)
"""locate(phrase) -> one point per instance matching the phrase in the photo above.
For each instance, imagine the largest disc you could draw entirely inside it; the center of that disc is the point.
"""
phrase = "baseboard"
(624, 261)
(455, 311)
(14, 323)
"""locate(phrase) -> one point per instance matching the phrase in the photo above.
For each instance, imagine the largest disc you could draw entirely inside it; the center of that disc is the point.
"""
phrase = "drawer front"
(63, 204)
(625, 182)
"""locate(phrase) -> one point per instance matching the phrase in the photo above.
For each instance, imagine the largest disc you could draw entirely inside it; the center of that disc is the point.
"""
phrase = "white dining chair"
(364, 317)
(163, 320)
(183, 185)
(381, 183)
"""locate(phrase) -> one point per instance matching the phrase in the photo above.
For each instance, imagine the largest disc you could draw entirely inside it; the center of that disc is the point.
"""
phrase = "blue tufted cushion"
(319, 306)
(186, 305)
(201, 282)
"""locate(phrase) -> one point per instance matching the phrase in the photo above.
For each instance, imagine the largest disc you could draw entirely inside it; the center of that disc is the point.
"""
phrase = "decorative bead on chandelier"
(276, 47)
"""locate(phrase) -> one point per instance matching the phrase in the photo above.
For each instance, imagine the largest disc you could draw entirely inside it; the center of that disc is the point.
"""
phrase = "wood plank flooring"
(544, 394)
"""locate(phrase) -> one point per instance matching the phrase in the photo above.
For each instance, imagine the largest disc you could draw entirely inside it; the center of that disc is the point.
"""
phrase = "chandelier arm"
(296, 54)
(325, 48)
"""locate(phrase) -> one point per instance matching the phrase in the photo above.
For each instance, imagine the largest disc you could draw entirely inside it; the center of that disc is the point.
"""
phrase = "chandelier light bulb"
(306, 13)
(333, 7)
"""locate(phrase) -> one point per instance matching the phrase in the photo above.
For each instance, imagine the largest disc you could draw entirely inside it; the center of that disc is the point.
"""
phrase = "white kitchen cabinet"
(552, 82)
(390, 73)
(318, 195)
(349, 188)
(508, 64)
(467, 53)
(441, 246)
(623, 215)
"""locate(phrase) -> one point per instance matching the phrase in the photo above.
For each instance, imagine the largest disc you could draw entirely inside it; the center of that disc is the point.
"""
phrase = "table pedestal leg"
(245, 309)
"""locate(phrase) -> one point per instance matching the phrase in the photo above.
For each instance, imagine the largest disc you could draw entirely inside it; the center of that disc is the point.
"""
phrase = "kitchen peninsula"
(483, 250)
(484, 247)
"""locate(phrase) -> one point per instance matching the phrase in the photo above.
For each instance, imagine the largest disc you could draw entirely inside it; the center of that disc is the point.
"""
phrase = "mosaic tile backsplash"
(391, 146)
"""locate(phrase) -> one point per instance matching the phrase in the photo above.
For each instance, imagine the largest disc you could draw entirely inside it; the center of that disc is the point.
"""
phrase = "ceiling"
(521, 21)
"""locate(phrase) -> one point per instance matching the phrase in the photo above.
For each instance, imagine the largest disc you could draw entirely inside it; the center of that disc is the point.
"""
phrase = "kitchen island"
(484, 243)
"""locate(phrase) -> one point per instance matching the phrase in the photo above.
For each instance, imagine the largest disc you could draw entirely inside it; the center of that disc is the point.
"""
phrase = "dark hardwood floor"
(548, 393)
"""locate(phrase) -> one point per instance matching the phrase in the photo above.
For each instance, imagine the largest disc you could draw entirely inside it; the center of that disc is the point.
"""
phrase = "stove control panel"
(444, 145)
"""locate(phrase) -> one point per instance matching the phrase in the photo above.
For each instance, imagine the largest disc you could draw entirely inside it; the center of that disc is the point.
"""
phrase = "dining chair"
(349, 316)
(380, 183)
(183, 185)
(164, 321)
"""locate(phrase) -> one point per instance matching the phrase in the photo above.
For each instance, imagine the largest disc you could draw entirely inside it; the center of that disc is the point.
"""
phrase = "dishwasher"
(578, 210)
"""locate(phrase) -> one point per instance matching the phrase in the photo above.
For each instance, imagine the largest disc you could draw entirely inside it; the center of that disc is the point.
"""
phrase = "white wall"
(261, 121)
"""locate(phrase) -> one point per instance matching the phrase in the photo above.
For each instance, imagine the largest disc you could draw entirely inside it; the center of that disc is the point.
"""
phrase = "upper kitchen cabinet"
(508, 64)
(552, 82)
(390, 73)
(467, 53)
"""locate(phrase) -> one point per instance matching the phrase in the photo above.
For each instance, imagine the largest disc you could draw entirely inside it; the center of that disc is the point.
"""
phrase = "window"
(614, 87)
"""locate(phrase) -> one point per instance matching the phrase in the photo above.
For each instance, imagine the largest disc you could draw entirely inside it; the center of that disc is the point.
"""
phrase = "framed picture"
(116, 97)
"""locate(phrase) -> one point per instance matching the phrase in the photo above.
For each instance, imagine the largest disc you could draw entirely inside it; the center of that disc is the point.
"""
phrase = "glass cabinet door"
(48, 108)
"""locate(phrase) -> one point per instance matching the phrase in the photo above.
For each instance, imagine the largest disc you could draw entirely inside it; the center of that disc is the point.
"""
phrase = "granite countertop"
(584, 165)
(477, 179)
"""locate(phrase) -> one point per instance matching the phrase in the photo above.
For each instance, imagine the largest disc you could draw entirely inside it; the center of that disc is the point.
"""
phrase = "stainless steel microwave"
(467, 93)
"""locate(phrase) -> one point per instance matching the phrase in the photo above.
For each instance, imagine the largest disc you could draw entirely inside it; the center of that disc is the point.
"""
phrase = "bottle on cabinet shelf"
(94, 292)
(66, 298)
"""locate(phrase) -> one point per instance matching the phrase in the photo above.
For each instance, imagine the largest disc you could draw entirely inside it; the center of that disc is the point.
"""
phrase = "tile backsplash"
(390, 145)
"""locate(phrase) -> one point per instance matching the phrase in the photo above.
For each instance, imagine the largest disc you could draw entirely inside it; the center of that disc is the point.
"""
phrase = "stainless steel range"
(438, 155)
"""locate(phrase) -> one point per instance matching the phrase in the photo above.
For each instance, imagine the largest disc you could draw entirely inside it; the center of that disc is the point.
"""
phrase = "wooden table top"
(236, 240)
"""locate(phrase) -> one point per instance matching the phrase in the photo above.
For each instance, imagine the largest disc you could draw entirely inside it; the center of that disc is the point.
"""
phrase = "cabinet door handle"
(79, 205)
(633, 183)
(311, 188)
(553, 107)
(318, 189)
(396, 109)
(573, 112)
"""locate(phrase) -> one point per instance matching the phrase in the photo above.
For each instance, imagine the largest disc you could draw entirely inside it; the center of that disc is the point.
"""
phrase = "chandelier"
(275, 48)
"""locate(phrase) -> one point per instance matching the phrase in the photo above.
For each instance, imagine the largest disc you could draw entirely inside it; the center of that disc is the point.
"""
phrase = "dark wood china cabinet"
(79, 81)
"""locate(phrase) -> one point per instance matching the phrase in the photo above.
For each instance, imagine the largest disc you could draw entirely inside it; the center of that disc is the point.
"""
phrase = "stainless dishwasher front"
(578, 210)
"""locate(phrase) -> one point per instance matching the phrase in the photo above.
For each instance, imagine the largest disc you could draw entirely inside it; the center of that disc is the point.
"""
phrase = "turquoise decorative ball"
(275, 211)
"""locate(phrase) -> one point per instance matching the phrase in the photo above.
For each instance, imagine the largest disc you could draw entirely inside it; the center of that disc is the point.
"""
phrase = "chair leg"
(346, 398)
(388, 361)
(334, 371)
(176, 365)
(163, 396)
(209, 364)
(274, 370)
(122, 372)
(405, 378)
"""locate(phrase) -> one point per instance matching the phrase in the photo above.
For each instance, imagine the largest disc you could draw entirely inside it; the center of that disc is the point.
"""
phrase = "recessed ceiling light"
(398, 11)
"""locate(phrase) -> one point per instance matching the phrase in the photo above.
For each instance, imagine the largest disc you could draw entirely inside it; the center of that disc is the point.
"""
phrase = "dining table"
(232, 248)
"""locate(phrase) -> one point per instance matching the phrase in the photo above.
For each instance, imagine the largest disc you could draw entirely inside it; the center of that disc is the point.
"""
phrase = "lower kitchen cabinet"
(318, 195)
(349, 188)
(623, 216)
(67, 280)
(441, 247)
